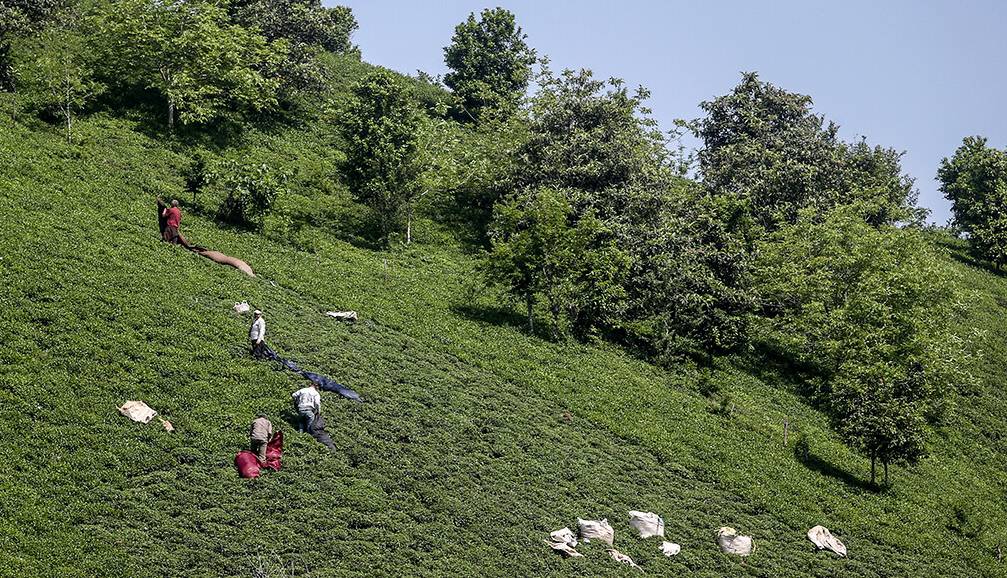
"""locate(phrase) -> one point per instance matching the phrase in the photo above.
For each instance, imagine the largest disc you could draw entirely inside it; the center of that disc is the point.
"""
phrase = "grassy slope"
(460, 462)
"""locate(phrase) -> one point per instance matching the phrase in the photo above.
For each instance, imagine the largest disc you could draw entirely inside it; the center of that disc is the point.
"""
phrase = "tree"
(251, 191)
(59, 78)
(540, 249)
(204, 67)
(490, 62)
(867, 312)
(382, 128)
(765, 147)
(21, 17)
(975, 181)
(307, 28)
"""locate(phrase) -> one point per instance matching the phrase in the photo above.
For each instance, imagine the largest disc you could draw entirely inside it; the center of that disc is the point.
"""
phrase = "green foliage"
(59, 79)
(251, 191)
(765, 147)
(592, 136)
(307, 28)
(541, 250)
(303, 22)
(204, 67)
(868, 311)
(21, 18)
(382, 128)
(975, 181)
(490, 63)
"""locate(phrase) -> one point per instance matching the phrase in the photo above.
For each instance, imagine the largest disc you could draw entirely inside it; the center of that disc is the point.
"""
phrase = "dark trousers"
(259, 449)
(259, 349)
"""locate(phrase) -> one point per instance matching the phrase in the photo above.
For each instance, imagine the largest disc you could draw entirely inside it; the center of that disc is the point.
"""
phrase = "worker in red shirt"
(173, 218)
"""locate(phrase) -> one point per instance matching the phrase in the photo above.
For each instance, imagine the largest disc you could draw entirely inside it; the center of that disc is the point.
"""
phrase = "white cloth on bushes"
(670, 549)
(620, 557)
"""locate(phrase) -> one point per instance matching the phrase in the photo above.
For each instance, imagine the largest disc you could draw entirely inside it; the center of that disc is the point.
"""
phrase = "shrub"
(251, 191)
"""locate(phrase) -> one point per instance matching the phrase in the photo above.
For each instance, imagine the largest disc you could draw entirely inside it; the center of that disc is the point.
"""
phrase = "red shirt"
(174, 217)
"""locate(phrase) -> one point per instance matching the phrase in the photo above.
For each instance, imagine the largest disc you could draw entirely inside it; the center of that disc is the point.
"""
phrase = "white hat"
(257, 312)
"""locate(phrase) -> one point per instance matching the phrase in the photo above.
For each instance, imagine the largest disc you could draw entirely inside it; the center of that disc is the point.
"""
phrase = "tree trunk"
(171, 116)
(885, 463)
(66, 100)
(530, 303)
(409, 224)
(874, 458)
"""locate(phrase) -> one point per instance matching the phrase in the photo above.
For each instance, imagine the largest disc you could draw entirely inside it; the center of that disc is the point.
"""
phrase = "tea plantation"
(476, 438)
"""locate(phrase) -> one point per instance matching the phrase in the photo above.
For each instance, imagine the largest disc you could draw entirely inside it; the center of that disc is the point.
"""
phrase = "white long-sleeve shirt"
(307, 399)
(257, 332)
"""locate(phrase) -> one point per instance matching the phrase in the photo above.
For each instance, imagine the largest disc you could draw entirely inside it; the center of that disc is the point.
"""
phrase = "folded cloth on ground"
(620, 557)
(648, 524)
(324, 383)
(670, 548)
(343, 315)
(564, 542)
(137, 411)
(824, 540)
(248, 465)
(596, 530)
(731, 543)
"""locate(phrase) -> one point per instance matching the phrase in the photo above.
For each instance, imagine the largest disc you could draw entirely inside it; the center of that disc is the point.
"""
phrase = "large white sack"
(731, 543)
(648, 524)
(596, 530)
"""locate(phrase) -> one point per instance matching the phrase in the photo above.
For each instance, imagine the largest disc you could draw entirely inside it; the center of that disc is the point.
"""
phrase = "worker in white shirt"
(308, 403)
(257, 334)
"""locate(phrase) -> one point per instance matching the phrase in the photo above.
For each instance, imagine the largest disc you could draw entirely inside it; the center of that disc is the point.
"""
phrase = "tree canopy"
(489, 61)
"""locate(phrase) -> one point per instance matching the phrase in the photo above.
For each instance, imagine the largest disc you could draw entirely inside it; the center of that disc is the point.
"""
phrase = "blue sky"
(915, 76)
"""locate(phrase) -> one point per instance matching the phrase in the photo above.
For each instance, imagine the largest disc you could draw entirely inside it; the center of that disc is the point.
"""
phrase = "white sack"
(648, 524)
(670, 549)
(241, 307)
(824, 540)
(596, 530)
(731, 543)
(137, 411)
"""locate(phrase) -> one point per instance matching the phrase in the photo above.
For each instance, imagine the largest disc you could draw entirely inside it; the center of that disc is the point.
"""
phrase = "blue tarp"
(324, 383)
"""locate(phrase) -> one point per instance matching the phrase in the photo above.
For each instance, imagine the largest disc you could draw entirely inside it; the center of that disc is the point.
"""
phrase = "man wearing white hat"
(257, 334)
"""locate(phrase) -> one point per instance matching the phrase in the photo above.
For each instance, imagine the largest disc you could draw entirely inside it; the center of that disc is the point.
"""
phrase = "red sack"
(248, 465)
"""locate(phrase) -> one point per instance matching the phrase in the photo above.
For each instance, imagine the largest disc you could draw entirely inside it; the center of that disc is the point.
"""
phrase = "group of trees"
(202, 60)
(786, 240)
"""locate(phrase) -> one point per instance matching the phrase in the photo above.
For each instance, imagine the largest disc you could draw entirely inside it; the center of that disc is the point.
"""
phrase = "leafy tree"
(541, 251)
(304, 22)
(59, 77)
(382, 128)
(975, 181)
(765, 146)
(591, 136)
(867, 312)
(251, 191)
(307, 28)
(490, 62)
(689, 285)
(20, 17)
(204, 67)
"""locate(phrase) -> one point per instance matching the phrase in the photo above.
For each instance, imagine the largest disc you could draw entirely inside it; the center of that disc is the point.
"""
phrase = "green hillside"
(476, 439)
